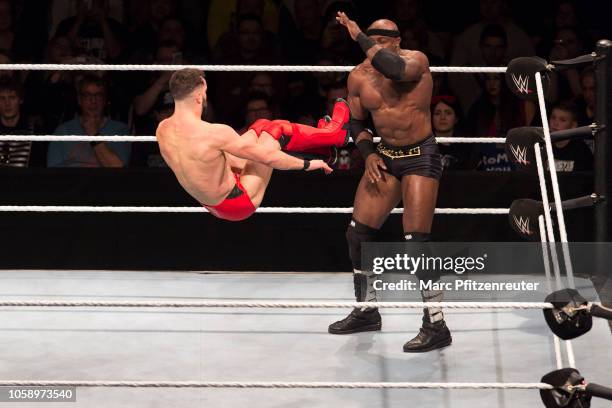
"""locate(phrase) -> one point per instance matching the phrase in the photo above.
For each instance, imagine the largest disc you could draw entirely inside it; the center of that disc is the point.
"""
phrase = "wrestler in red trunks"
(229, 173)
(237, 206)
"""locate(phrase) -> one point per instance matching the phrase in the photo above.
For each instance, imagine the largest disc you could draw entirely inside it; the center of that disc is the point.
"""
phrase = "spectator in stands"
(565, 84)
(224, 15)
(148, 154)
(408, 15)
(137, 15)
(440, 79)
(144, 27)
(231, 88)
(300, 32)
(16, 41)
(7, 35)
(493, 45)
(258, 106)
(275, 87)
(157, 88)
(13, 122)
(264, 83)
(250, 40)
(160, 10)
(333, 92)
(493, 49)
(467, 47)
(586, 102)
(246, 31)
(27, 36)
(414, 39)
(93, 32)
(492, 115)
(573, 154)
(303, 100)
(93, 121)
(446, 120)
(566, 15)
(250, 43)
(173, 30)
(5, 58)
(326, 79)
(335, 40)
(56, 86)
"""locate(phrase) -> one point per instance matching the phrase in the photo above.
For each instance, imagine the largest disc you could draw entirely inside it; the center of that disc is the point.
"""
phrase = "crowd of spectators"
(270, 32)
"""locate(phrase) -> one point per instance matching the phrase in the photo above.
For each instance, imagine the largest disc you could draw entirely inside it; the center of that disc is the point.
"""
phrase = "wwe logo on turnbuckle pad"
(522, 84)
(520, 154)
(522, 223)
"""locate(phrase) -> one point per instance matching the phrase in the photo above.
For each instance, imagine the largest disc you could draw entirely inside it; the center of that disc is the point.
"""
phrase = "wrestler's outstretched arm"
(392, 65)
(247, 148)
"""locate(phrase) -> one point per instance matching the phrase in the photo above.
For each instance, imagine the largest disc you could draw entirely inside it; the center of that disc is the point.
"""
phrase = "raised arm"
(246, 148)
(392, 65)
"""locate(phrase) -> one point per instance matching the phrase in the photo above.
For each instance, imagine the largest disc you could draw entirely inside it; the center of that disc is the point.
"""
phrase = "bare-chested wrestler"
(394, 86)
(228, 173)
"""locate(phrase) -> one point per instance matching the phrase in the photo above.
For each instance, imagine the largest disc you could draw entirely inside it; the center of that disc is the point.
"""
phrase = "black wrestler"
(394, 86)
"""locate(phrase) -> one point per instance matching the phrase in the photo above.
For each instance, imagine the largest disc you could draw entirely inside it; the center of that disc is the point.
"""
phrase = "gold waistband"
(397, 153)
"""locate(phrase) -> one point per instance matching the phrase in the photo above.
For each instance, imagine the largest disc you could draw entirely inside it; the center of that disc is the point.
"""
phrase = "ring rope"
(546, 261)
(124, 138)
(279, 305)
(280, 384)
(350, 385)
(221, 68)
(557, 197)
(555, 184)
(261, 210)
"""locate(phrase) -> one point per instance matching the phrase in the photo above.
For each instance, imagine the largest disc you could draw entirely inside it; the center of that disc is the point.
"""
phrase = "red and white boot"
(295, 137)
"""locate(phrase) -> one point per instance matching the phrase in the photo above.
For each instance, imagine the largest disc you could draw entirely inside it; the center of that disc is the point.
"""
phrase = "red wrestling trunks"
(237, 206)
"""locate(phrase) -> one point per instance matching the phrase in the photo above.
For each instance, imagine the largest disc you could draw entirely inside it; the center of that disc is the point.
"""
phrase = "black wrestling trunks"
(235, 193)
(421, 159)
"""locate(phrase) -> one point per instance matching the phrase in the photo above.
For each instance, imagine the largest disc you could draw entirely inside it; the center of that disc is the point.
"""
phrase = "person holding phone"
(93, 32)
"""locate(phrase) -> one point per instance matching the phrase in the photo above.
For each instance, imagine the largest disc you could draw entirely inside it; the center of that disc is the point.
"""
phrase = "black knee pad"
(424, 275)
(357, 233)
(360, 282)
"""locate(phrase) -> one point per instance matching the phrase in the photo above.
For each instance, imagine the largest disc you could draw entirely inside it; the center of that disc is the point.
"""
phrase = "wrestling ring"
(82, 331)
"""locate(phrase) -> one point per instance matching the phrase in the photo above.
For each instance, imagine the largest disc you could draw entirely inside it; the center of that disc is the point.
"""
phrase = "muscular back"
(400, 110)
(190, 148)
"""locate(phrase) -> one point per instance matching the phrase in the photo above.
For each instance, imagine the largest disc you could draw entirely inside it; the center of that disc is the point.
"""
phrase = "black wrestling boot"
(432, 336)
(357, 321)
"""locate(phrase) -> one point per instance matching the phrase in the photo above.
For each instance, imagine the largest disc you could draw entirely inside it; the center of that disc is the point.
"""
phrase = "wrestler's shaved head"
(391, 43)
(383, 24)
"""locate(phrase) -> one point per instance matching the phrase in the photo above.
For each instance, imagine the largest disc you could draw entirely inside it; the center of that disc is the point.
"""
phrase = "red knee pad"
(258, 125)
(333, 133)
(278, 129)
